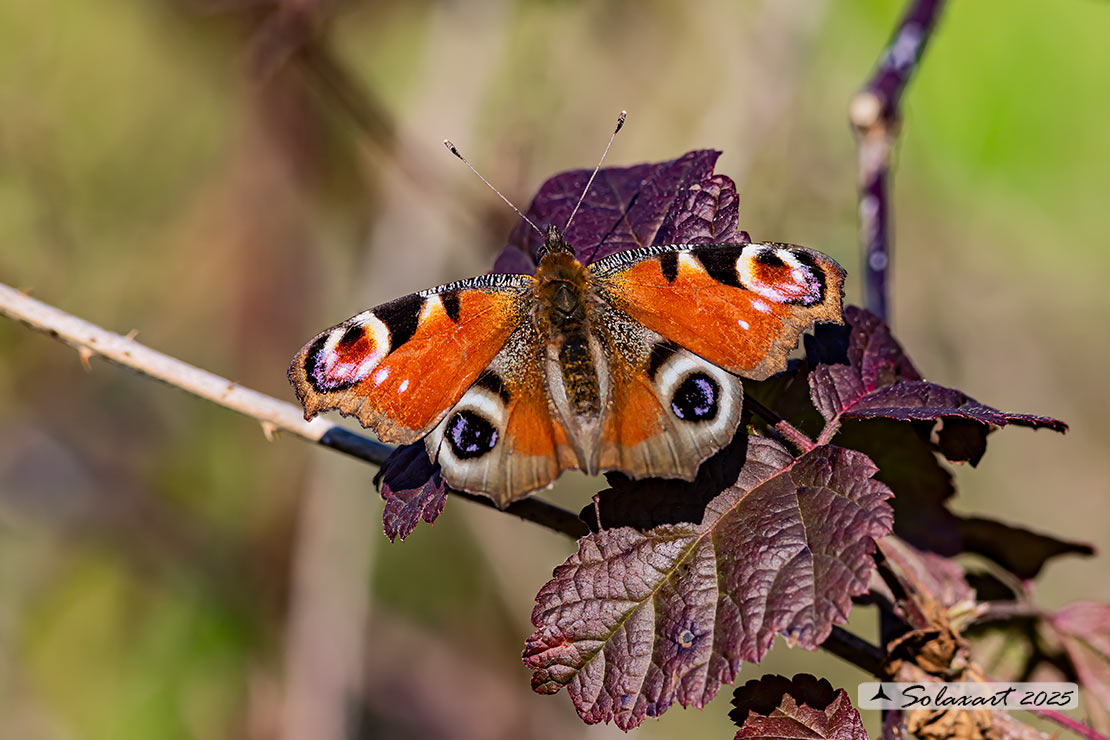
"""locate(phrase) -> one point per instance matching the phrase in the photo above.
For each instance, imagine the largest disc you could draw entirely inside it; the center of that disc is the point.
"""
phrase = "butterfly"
(632, 363)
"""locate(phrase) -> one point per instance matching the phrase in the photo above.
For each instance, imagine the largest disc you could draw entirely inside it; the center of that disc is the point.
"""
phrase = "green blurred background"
(228, 177)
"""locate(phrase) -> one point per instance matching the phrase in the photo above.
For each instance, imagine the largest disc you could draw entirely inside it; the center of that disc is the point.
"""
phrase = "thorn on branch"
(269, 430)
(86, 354)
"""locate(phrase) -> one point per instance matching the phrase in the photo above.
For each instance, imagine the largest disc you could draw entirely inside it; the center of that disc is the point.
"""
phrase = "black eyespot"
(815, 275)
(470, 435)
(696, 398)
(769, 258)
(352, 335)
(315, 374)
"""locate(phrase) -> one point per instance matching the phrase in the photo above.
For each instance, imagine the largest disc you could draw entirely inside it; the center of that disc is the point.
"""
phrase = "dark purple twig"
(874, 113)
(857, 651)
(542, 513)
(534, 510)
(355, 445)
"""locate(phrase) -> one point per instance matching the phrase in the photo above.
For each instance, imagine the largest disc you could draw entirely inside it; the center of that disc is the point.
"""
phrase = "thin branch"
(90, 340)
(857, 651)
(1008, 611)
(364, 109)
(875, 116)
(539, 512)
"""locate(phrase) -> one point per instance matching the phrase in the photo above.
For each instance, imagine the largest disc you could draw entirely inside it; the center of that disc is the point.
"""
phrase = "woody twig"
(875, 115)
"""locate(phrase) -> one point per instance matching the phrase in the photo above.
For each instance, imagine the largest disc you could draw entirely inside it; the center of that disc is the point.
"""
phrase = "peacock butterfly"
(632, 362)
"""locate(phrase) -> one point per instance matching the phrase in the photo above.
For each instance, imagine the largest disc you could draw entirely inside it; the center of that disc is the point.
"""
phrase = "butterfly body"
(631, 363)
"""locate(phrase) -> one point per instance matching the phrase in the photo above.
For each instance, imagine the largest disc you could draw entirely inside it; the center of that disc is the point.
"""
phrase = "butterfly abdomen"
(562, 316)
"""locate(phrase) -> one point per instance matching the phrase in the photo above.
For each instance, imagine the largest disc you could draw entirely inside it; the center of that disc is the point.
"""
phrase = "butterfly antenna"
(620, 123)
(454, 150)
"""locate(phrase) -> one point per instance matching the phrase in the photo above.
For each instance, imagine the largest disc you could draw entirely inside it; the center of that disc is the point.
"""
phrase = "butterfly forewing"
(739, 306)
(399, 367)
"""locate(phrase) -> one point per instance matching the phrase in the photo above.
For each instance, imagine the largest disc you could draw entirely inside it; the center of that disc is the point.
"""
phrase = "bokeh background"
(228, 177)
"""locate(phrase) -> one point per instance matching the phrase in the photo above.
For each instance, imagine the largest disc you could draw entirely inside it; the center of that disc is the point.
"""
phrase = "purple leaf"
(636, 621)
(704, 213)
(680, 201)
(1084, 628)
(877, 380)
(962, 440)
(775, 708)
(924, 401)
(787, 393)
(412, 488)
(512, 261)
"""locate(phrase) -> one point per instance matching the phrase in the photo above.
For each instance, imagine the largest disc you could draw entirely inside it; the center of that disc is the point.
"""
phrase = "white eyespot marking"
(380, 376)
(486, 402)
(743, 324)
(681, 367)
(760, 306)
(431, 304)
(477, 402)
(757, 261)
(329, 371)
(404, 386)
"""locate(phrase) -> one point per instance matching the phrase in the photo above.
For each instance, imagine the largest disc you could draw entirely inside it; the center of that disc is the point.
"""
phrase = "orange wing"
(739, 306)
(399, 367)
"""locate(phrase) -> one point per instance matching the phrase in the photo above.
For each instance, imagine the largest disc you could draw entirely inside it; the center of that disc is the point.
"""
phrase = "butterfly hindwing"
(742, 307)
(501, 438)
(668, 410)
(398, 367)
